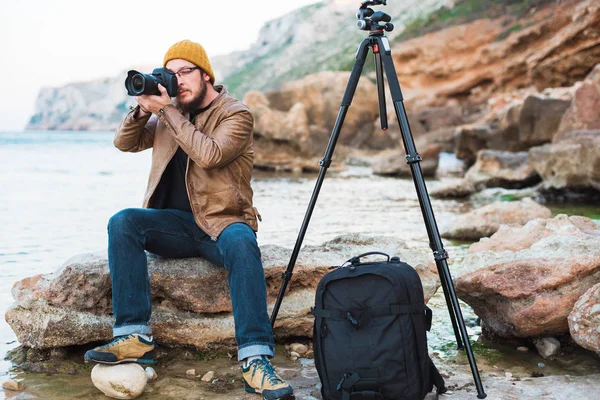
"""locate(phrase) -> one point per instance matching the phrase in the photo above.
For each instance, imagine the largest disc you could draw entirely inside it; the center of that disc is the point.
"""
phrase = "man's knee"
(122, 221)
(238, 237)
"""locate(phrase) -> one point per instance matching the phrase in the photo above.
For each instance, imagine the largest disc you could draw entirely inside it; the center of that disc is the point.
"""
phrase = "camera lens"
(138, 82)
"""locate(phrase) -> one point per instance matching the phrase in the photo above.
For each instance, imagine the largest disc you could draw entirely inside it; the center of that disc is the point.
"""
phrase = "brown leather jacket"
(221, 155)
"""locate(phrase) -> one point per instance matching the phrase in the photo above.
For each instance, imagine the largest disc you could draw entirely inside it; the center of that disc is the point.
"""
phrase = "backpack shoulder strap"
(438, 381)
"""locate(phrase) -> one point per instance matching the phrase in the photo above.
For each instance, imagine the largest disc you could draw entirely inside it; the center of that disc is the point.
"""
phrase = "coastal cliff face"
(315, 38)
(444, 52)
(97, 105)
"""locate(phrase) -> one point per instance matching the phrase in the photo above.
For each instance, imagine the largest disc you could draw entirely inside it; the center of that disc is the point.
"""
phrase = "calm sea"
(58, 190)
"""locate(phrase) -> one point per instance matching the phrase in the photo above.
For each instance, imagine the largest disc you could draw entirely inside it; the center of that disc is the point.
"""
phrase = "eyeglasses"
(183, 72)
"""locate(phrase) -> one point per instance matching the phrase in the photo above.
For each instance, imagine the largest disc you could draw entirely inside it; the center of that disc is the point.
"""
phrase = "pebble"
(294, 356)
(541, 365)
(523, 349)
(208, 376)
(548, 347)
(191, 372)
(299, 348)
(508, 374)
(13, 385)
(151, 374)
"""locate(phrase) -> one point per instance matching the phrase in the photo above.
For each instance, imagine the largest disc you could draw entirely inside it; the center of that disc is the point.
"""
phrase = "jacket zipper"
(187, 190)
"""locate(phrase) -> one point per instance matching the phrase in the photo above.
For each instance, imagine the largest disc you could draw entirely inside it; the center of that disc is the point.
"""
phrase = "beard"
(195, 102)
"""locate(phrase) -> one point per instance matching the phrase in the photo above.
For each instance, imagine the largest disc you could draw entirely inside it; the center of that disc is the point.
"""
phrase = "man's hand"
(152, 103)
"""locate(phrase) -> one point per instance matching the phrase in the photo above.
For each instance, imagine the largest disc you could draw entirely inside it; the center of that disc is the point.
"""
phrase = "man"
(198, 204)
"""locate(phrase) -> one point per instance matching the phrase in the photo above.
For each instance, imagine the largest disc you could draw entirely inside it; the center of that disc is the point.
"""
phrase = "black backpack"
(369, 333)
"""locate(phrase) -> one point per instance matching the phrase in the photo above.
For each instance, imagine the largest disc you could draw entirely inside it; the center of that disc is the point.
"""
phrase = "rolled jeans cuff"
(255, 350)
(129, 329)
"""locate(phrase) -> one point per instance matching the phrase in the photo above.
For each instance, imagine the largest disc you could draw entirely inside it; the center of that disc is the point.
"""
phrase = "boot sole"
(250, 389)
(146, 358)
(123, 361)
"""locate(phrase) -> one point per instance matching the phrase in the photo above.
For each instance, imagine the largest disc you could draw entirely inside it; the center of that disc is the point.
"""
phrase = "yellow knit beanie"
(192, 52)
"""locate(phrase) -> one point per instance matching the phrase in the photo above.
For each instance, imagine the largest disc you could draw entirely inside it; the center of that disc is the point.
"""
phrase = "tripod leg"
(380, 89)
(449, 301)
(359, 63)
(435, 241)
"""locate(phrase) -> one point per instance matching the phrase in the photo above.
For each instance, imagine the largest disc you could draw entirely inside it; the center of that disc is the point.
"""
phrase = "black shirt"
(171, 191)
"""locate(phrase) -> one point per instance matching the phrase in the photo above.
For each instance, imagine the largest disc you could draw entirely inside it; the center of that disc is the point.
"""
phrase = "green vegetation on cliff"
(466, 11)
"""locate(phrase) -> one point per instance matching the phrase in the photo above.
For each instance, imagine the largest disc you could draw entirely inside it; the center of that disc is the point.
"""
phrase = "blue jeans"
(174, 233)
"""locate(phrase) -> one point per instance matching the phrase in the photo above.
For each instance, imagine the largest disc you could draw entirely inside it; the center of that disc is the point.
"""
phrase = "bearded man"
(198, 203)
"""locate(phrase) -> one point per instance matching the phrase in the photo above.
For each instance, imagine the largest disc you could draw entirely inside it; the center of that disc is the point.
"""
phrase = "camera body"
(137, 83)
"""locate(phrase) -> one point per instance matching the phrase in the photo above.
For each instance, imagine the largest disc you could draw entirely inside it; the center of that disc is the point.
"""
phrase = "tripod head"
(369, 20)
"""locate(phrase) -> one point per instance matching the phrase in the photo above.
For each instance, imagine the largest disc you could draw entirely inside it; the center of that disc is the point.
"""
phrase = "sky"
(54, 42)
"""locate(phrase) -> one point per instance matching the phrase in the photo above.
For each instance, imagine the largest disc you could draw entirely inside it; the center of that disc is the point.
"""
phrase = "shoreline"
(501, 378)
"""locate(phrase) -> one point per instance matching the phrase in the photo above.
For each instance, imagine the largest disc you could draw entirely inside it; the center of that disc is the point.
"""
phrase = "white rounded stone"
(151, 374)
(124, 381)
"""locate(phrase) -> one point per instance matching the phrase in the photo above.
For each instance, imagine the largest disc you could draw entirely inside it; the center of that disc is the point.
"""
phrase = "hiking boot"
(130, 348)
(260, 377)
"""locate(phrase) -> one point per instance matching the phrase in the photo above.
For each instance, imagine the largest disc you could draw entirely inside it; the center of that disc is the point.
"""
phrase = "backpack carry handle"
(356, 260)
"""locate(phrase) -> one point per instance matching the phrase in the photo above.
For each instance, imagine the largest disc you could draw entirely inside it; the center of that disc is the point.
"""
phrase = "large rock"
(453, 189)
(584, 112)
(516, 240)
(486, 220)
(515, 122)
(321, 95)
(524, 281)
(190, 297)
(393, 162)
(540, 118)
(572, 162)
(502, 169)
(270, 124)
(584, 320)
(284, 140)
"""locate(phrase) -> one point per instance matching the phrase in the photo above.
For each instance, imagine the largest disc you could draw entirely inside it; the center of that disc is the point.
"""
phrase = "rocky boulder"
(584, 320)
(583, 113)
(527, 119)
(272, 125)
(393, 162)
(321, 95)
(524, 281)
(453, 189)
(486, 220)
(571, 162)
(284, 140)
(502, 169)
(190, 297)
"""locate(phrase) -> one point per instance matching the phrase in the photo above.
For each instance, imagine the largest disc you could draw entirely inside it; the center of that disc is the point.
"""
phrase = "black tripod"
(376, 23)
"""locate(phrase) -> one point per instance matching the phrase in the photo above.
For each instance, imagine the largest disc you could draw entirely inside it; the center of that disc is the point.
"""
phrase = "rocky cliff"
(447, 53)
(314, 38)
(96, 105)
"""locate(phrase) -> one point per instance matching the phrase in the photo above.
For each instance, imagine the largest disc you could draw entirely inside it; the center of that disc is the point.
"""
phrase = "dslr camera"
(137, 83)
